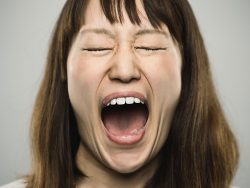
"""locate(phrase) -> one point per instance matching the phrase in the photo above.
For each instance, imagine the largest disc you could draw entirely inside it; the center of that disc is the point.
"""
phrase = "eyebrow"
(111, 35)
(151, 31)
(98, 31)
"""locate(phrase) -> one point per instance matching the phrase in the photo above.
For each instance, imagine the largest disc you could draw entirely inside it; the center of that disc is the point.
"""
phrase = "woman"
(127, 100)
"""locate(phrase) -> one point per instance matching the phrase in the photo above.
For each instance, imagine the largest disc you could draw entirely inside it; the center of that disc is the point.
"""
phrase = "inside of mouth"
(122, 120)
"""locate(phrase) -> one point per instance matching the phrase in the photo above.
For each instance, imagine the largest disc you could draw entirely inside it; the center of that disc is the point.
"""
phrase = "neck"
(98, 175)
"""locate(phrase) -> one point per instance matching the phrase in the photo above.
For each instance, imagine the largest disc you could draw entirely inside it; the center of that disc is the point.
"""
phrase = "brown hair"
(200, 151)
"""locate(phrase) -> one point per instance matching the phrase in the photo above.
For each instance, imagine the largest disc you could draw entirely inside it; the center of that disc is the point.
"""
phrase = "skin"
(130, 58)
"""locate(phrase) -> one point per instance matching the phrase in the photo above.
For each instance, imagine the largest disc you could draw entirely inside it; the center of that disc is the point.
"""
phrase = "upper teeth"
(125, 100)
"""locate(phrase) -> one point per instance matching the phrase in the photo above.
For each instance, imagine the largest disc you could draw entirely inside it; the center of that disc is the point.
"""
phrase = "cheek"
(165, 76)
(82, 76)
(170, 85)
(78, 72)
(82, 82)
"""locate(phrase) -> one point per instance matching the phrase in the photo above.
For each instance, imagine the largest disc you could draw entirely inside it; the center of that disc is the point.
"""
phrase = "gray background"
(25, 28)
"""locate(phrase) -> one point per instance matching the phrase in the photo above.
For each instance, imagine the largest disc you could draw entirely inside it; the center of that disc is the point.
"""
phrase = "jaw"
(127, 157)
(123, 158)
(128, 175)
(130, 158)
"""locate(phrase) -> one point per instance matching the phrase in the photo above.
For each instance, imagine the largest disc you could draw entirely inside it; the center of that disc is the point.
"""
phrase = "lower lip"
(126, 139)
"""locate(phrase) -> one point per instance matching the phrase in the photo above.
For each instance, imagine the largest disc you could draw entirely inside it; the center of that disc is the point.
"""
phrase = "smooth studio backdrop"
(25, 29)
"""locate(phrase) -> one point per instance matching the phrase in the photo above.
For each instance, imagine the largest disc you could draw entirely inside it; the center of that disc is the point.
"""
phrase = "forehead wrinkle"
(99, 31)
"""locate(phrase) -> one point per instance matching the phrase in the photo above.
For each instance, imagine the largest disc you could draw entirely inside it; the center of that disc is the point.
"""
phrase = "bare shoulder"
(16, 184)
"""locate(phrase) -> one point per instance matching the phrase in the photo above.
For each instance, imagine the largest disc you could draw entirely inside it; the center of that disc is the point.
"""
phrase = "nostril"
(124, 70)
(125, 77)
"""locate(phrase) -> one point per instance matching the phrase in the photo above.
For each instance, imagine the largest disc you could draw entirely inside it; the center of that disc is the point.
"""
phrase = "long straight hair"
(200, 151)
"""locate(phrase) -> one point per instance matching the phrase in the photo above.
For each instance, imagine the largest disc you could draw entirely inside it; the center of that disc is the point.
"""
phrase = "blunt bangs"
(158, 13)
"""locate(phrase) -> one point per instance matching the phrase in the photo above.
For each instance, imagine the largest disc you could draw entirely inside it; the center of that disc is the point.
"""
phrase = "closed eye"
(150, 48)
(99, 52)
(96, 49)
(149, 51)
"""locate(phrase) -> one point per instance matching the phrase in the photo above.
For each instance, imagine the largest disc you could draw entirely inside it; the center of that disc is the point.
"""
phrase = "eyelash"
(149, 49)
(137, 48)
(96, 49)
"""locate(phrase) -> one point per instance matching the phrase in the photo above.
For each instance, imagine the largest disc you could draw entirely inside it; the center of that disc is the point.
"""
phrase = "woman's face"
(124, 82)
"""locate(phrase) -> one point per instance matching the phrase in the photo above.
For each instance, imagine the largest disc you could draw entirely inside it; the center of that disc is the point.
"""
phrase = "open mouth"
(124, 119)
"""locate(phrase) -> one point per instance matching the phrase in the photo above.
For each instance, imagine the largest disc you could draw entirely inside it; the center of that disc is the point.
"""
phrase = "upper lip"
(111, 96)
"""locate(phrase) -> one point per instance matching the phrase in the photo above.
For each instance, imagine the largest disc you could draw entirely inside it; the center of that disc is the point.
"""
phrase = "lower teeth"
(137, 131)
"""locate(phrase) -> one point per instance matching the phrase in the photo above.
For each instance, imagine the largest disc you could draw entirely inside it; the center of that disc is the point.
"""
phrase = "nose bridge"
(124, 67)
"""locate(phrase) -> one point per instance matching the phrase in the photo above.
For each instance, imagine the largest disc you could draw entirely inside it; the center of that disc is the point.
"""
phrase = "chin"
(126, 167)
(127, 162)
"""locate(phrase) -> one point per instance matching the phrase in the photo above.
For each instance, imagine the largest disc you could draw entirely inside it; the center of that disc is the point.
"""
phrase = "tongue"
(124, 120)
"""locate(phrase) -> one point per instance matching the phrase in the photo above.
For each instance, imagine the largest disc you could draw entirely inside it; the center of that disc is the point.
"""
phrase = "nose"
(124, 67)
